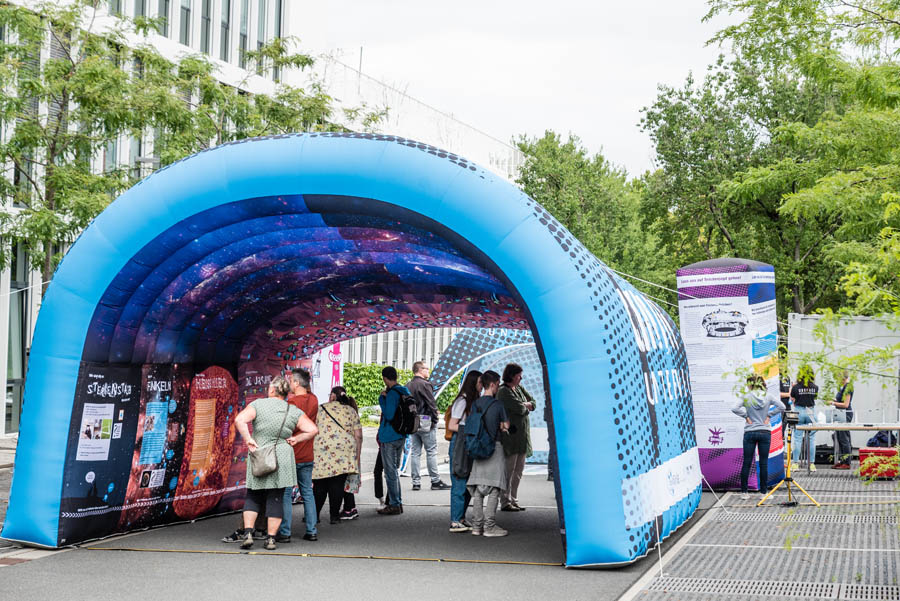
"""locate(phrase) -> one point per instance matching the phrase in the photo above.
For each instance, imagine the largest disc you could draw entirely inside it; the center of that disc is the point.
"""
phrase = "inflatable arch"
(173, 308)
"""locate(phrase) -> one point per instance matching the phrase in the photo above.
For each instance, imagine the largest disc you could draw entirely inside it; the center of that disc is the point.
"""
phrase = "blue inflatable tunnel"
(181, 300)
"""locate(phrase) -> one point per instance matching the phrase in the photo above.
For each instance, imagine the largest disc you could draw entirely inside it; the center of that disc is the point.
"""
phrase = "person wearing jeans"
(304, 483)
(843, 413)
(755, 406)
(459, 493)
(391, 452)
(303, 456)
(803, 395)
(421, 390)
(391, 442)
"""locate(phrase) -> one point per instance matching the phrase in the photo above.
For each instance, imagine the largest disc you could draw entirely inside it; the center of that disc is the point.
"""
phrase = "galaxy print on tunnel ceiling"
(207, 284)
(308, 327)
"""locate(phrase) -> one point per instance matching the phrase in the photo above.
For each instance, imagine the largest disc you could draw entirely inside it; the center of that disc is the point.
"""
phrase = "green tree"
(594, 201)
(843, 168)
(98, 86)
(706, 137)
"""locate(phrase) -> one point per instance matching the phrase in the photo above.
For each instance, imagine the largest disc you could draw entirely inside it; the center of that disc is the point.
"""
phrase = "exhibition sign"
(728, 324)
(177, 305)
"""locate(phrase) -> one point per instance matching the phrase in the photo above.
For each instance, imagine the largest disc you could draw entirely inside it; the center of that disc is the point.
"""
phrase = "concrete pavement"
(376, 557)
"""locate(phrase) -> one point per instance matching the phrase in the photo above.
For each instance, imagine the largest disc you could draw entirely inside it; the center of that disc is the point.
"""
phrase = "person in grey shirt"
(755, 406)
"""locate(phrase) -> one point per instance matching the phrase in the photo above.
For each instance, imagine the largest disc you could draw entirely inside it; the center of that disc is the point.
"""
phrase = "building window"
(140, 8)
(279, 14)
(226, 30)
(22, 181)
(205, 24)
(162, 13)
(135, 152)
(111, 155)
(261, 33)
(15, 362)
(245, 26)
(115, 7)
(184, 35)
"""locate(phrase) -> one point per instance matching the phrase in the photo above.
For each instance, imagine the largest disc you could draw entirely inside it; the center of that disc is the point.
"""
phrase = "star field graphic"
(201, 289)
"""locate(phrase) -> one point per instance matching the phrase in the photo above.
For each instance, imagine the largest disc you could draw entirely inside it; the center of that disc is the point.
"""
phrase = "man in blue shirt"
(389, 441)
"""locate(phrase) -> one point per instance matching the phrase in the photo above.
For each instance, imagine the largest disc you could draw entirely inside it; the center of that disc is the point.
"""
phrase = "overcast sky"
(512, 68)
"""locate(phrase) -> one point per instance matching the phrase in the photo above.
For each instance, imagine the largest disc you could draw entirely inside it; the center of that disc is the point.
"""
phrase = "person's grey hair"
(300, 377)
(280, 386)
(417, 366)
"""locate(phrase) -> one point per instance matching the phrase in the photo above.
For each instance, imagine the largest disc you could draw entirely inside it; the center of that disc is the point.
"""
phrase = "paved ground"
(375, 557)
(849, 548)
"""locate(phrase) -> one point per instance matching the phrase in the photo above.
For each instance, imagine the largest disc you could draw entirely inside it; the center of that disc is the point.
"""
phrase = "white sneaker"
(812, 467)
(495, 531)
(744, 496)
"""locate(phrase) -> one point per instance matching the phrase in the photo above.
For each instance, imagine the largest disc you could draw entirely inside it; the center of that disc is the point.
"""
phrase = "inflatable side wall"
(171, 311)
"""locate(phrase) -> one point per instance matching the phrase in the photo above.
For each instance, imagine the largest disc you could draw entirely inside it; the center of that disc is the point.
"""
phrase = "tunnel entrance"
(216, 272)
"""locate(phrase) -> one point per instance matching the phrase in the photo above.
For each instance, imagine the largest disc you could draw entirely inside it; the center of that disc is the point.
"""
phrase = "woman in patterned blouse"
(336, 451)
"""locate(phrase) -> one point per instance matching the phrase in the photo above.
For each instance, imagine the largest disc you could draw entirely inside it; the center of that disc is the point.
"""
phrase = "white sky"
(512, 68)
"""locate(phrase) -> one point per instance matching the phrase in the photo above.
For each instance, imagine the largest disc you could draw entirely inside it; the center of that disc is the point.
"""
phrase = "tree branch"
(827, 233)
(28, 177)
(719, 224)
(883, 19)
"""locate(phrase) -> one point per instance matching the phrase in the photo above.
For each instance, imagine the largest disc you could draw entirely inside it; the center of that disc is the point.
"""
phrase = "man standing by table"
(843, 413)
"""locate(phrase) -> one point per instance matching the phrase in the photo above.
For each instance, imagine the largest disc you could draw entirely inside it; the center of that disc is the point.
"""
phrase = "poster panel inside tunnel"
(148, 445)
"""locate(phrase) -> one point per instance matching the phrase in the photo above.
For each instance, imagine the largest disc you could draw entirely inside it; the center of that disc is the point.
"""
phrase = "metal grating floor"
(707, 588)
(868, 592)
(809, 517)
(754, 588)
(847, 549)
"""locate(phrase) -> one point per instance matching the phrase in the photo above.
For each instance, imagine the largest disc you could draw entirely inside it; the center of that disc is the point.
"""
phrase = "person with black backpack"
(486, 420)
(399, 417)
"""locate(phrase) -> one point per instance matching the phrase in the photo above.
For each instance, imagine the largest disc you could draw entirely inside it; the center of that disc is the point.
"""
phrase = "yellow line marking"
(327, 556)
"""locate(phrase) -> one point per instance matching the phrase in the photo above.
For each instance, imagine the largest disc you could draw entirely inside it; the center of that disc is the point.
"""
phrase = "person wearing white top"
(459, 495)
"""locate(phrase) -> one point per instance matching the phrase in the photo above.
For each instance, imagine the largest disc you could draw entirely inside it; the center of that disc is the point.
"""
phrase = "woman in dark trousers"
(274, 420)
(754, 407)
(337, 448)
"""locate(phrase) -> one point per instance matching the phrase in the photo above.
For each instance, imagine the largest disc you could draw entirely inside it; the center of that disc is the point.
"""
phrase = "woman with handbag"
(270, 464)
(337, 451)
(459, 495)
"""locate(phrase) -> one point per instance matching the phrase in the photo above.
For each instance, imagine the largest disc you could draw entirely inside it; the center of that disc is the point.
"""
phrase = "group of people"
(802, 395)
(487, 482)
(757, 406)
(318, 450)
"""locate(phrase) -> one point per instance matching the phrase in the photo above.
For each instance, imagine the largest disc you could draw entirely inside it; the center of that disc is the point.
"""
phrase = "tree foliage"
(363, 382)
(843, 167)
(594, 201)
(99, 85)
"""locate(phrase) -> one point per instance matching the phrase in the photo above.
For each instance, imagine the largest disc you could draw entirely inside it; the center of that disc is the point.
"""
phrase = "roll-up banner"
(728, 323)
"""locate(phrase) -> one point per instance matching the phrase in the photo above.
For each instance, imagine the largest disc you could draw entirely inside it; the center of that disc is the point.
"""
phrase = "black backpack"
(406, 418)
(479, 442)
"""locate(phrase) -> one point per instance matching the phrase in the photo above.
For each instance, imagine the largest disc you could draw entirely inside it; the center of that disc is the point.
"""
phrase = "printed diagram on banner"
(96, 431)
(709, 327)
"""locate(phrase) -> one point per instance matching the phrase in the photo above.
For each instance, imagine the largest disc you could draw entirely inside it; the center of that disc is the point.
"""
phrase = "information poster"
(99, 453)
(158, 446)
(728, 324)
(214, 464)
